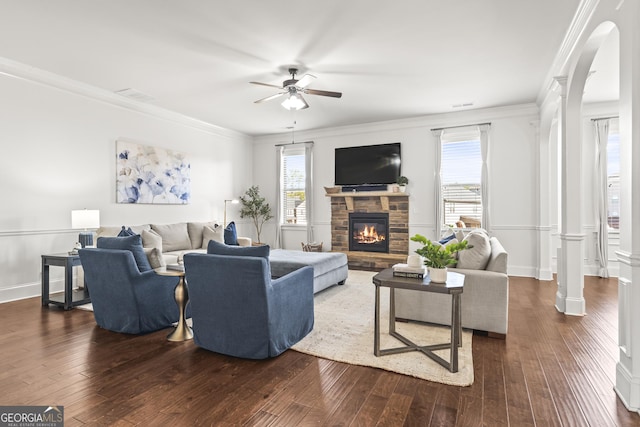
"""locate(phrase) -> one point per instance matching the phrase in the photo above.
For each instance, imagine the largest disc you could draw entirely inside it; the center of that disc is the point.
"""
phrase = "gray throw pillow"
(478, 256)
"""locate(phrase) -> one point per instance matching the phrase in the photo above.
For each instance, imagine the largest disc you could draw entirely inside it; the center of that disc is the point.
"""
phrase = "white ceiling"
(391, 59)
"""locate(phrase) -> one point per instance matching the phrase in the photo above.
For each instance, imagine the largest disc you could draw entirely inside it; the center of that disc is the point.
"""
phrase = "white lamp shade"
(84, 219)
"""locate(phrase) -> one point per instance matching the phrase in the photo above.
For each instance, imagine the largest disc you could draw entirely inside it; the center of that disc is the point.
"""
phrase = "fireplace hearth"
(369, 232)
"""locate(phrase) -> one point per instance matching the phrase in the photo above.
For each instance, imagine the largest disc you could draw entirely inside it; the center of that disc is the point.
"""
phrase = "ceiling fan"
(294, 89)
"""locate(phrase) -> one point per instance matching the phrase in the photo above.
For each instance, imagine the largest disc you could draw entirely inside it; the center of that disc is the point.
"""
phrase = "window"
(293, 186)
(613, 179)
(461, 171)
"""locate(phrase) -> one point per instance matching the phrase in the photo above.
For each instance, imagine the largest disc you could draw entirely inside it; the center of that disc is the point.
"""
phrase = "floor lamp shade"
(85, 219)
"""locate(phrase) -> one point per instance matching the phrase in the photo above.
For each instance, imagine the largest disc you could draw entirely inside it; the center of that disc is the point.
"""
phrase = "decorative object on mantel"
(255, 207)
(146, 174)
(332, 190)
(402, 183)
(438, 257)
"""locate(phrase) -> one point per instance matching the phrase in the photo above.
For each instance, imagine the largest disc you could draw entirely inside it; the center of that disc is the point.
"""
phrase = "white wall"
(58, 154)
(512, 174)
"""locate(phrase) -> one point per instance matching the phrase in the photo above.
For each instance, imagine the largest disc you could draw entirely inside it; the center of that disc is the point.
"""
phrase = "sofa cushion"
(195, 230)
(211, 233)
(478, 256)
(230, 234)
(175, 237)
(217, 248)
(129, 243)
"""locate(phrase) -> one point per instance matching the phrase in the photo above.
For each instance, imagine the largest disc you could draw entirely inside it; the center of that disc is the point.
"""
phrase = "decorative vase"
(438, 275)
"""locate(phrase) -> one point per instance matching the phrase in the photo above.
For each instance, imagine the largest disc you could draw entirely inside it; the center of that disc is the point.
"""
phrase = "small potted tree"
(437, 257)
(255, 207)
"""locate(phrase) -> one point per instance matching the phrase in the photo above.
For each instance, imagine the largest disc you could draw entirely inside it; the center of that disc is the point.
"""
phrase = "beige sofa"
(485, 299)
(167, 243)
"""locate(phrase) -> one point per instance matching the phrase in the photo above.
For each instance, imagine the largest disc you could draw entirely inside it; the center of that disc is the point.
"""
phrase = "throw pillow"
(126, 232)
(217, 248)
(152, 240)
(230, 234)
(156, 260)
(447, 239)
(129, 243)
(211, 233)
(478, 256)
(175, 237)
(195, 230)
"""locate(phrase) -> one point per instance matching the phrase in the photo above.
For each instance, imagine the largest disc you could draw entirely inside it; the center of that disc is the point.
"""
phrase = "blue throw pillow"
(447, 239)
(129, 243)
(126, 232)
(230, 235)
(217, 248)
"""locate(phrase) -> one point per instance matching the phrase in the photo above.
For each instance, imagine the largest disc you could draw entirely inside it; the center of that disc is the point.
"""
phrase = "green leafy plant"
(436, 255)
(255, 207)
(402, 180)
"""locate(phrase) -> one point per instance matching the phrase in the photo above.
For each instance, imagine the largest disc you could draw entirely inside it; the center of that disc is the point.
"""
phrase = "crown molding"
(578, 25)
(426, 122)
(22, 71)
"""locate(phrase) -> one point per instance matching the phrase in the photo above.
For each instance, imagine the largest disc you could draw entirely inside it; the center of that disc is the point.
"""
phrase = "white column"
(543, 168)
(569, 298)
(628, 368)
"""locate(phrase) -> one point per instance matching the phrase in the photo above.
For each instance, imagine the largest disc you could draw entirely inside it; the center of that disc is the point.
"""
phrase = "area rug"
(343, 331)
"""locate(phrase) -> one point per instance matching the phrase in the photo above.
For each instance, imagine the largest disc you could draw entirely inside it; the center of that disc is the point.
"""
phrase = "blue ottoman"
(329, 268)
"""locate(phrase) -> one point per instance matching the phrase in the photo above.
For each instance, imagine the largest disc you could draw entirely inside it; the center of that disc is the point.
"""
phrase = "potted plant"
(255, 207)
(437, 257)
(402, 183)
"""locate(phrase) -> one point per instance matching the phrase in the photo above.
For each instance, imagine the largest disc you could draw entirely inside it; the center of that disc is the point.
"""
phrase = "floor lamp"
(234, 201)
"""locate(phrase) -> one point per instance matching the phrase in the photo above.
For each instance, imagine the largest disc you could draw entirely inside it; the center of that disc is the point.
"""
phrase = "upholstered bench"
(329, 268)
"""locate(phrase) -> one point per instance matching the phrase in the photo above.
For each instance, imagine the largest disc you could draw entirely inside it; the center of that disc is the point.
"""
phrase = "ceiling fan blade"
(323, 93)
(305, 81)
(269, 98)
(305, 102)
(266, 84)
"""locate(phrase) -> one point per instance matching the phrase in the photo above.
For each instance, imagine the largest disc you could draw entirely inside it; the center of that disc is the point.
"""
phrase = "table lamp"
(234, 201)
(85, 219)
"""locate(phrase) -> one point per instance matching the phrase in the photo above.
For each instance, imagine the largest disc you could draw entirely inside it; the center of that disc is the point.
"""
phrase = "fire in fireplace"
(369, 232)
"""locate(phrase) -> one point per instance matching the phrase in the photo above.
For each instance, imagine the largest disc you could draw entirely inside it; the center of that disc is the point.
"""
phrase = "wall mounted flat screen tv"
(369, 164)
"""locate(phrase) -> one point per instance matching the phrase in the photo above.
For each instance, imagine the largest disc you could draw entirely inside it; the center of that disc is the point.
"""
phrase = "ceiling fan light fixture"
(294, 102)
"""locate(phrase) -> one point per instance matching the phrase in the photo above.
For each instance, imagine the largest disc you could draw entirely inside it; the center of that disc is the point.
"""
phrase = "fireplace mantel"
(383, 195)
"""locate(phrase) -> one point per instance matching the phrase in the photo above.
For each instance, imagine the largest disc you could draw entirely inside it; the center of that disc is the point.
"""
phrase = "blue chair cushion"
(217, 248)
(230, 234)
(129, 243)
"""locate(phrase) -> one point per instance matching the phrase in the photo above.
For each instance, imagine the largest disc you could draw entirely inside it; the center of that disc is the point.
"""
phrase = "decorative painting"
(153, 175)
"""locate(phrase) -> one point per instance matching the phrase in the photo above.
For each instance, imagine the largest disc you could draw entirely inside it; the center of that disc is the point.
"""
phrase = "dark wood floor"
(551, 370)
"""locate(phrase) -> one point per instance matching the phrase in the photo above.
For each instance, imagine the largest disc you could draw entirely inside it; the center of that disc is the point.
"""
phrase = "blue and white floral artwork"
(151, 175)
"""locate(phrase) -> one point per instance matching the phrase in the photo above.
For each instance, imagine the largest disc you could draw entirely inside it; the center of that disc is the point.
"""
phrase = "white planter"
(438, 275)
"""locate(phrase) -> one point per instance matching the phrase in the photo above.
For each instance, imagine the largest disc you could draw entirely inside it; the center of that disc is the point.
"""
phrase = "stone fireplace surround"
(396, 204)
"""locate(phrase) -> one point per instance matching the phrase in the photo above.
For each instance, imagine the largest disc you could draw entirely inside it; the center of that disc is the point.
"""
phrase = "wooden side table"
(453, 287)
(182, 331)
(69, 298)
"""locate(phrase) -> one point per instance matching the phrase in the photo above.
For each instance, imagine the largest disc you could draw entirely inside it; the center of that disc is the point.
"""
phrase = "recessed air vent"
(462, 105)
(135, 95)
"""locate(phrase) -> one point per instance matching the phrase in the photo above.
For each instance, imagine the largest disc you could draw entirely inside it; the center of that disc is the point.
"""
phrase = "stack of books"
(176, 267)
(403, 270)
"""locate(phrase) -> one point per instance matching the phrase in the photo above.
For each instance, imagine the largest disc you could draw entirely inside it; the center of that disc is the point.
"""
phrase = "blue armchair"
(123, 298)
(239, 311)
